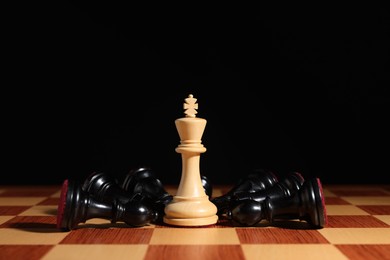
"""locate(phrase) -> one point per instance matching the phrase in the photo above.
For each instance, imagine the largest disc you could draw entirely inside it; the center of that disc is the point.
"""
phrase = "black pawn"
(77, 206)
(144, 180)
(257, 180)
(104, 188)
(141, 181)
(307, 204)
(286, 187)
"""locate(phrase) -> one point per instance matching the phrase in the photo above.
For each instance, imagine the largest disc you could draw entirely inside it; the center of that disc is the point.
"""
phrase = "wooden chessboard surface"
(358, 228)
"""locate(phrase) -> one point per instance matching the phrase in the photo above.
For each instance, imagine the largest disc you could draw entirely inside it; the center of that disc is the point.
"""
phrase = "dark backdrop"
(97, 86)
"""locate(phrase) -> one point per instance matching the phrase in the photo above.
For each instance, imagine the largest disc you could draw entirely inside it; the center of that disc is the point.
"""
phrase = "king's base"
(191, 222)
(190, 211)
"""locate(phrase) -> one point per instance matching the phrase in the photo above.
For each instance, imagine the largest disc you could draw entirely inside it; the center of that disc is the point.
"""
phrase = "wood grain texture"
(365, 252)
(194, 252)
(376, 209)
(12, 210)
(22, 252)
(354, 222)
(108, 236)
(279, 236)
(21, 222)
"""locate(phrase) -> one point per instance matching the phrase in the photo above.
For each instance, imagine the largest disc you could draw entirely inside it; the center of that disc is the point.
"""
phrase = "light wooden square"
(20, 201)
(97, 252)
(357, 235)
(40, 211)
(367, 200)
(295, 251)
(384, 218)
(344, 210)
(4, 219)
(10, 236)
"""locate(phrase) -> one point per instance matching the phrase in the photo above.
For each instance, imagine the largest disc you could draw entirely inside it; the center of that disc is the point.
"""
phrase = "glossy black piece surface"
(307, 204)
(81, 206)
(286, 187)
(105, 188)
(144, 180)
(257, 180)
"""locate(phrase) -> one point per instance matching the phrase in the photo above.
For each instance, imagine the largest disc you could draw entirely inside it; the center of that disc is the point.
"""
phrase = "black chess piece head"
(257, 180)
(104, 188)
(308, 204)
(285, 187)
(77, 206)
(144, 180)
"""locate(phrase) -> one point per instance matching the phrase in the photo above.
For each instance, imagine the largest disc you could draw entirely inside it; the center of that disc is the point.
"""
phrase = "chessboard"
(358, 227)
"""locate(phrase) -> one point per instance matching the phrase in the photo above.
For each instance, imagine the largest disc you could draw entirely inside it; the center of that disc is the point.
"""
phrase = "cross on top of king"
(190, 106)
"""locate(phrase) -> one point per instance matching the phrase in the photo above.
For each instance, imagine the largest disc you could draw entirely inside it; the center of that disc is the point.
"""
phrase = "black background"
(96, 86)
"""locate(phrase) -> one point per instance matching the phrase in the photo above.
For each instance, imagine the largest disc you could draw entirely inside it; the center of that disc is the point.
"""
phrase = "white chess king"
(190, 206)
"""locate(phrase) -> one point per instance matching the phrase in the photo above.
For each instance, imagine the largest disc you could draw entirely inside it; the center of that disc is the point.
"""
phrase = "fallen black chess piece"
(283, 188)
(257, 180)
(141, 181)
(306, 204)
(77, 206)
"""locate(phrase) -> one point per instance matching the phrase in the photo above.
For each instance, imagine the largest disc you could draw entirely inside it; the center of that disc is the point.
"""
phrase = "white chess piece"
(190, 206)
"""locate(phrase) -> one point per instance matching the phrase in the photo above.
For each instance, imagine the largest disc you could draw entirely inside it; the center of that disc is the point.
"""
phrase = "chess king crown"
(190, 127)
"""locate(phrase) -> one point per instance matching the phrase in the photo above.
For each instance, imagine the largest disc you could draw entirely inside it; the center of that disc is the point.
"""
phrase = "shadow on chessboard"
(284, 224)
